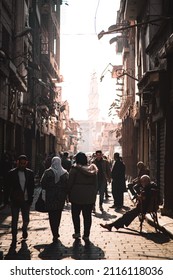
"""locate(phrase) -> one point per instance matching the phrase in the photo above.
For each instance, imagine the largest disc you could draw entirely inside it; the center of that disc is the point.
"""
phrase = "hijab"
(57, 168)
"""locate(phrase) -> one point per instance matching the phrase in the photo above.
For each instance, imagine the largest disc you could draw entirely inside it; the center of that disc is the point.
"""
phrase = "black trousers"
(24, 208)
(117, 193)
(127, 218)
(102, 184)
(54, 221)
(86, 210)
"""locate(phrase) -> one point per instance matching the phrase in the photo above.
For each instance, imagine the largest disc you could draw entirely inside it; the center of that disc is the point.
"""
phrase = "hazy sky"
(82, 53)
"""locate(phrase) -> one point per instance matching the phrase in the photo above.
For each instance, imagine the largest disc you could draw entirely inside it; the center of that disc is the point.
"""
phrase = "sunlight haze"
(83, 54)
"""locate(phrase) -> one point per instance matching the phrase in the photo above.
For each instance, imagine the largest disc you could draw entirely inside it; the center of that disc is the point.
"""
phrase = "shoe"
(117, 224)
(108, 227)
(12, 249)
(13, 243)
(118, 208)
(55, 238)
(86, 240)
(76, 236)
(25, 234)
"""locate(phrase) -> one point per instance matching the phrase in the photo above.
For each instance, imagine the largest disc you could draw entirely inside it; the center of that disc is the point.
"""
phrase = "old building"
(30, 71)
(143, 33)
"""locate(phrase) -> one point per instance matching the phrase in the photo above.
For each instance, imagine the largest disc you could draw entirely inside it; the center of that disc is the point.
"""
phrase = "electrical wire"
(95, 18)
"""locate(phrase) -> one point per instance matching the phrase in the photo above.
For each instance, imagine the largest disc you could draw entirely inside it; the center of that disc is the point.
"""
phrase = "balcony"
(54, 64)
(150, 79)
(125, 107)
(48, 58)
(135, 112)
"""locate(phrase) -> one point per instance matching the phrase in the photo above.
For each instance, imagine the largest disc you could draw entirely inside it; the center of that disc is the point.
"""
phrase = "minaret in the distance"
(93, 112)
(93, 108)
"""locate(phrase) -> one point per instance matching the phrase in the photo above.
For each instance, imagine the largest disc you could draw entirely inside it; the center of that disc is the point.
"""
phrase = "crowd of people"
(77, 181)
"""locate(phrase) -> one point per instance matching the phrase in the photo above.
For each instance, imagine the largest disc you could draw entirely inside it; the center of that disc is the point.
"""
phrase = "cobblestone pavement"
(124, 244)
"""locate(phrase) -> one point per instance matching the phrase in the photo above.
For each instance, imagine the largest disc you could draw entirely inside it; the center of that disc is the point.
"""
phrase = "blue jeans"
(24, 208)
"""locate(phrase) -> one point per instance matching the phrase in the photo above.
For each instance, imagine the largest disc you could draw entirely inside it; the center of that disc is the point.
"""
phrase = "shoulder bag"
(40, 204)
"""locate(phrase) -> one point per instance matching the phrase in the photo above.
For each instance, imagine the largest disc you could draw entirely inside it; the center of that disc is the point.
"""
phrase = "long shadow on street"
(156, 237)
(57, 251)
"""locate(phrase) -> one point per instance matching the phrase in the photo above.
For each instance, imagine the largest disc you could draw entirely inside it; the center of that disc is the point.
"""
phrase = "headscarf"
(57, 168)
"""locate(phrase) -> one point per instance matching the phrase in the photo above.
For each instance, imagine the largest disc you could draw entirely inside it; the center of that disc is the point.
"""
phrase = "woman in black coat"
(55, 183)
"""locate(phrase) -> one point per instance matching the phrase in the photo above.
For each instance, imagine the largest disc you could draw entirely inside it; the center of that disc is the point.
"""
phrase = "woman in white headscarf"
(55, 183)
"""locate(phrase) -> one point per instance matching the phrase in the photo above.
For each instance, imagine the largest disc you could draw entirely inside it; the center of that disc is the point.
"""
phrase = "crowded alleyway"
(124, 244)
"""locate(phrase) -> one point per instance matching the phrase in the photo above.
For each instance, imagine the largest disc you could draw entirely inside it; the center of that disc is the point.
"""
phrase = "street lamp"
(105, 71)
(118, 72)
(117, 28)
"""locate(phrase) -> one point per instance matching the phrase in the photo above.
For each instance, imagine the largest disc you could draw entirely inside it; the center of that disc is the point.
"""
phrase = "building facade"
(30, 98)
(146, 104)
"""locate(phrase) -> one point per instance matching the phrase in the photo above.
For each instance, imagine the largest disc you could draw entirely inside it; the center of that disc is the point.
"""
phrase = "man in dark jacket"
(19, 189)
(144, 198)
(118, 182)
(103, 175)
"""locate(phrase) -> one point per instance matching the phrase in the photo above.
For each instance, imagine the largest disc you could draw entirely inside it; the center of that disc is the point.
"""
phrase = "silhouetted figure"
(118, 181)
(66, 162)
(55, 183)
(19, 189)
(82, 194)
(103, 175)
(143, 198)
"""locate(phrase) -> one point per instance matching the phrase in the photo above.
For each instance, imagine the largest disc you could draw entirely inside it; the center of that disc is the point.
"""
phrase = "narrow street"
(124, 244)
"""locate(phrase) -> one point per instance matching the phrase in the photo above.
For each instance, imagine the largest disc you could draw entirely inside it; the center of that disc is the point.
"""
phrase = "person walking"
(54, 183)
(144, 198)
(66, 162)
(103, 175)
(118, 182)
(106, 189)
(82, 194)
(19, 190)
